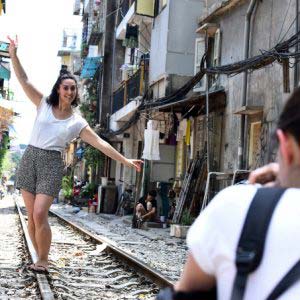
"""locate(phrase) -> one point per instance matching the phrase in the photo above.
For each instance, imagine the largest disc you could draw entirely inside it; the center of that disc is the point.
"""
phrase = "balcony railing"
(118, 99)
(128, 91)
(97, 31)
(125, 6)
(134, 86)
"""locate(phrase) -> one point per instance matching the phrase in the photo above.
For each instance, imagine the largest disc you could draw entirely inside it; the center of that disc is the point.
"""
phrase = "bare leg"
(42, 228)
(140, 210)
(29, 200)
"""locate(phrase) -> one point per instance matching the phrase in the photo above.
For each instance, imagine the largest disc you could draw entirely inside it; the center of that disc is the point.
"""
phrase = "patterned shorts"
(40, 171)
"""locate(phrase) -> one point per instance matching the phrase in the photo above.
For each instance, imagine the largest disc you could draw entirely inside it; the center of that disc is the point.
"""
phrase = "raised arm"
(32, 93)
(90, 137)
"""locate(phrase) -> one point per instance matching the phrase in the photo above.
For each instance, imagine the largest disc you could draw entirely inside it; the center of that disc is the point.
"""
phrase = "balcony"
(97, 31)
(217, 7)
(128, 91)
(140, 10)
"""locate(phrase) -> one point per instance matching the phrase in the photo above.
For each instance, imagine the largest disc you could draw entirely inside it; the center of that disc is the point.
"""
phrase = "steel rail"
(45, 289)
(137, 264)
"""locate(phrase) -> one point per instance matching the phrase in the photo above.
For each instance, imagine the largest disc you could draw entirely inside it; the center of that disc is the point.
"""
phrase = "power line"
(267, 57)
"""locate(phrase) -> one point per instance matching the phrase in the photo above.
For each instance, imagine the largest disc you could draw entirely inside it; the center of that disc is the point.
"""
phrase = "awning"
(90, 66)
(4, 71)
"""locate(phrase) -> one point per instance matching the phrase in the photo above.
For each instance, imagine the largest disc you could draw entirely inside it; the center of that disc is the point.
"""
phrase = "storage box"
(179, 231)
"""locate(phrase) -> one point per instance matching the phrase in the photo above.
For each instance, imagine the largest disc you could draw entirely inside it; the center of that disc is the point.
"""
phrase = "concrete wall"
(183, 23)
(266, 85)
(159, 41)
(173, 43)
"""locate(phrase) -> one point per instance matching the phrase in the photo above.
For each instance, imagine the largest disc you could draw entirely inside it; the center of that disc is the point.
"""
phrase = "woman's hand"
(13, 46)
(135, 163)
(266, 175)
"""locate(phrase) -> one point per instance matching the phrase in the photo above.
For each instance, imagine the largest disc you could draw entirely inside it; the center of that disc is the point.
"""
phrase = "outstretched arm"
(90, 137)
(32, 93)
(193, 278)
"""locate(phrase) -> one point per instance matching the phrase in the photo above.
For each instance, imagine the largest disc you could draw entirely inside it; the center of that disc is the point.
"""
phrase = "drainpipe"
(296, 74)
(243, 135)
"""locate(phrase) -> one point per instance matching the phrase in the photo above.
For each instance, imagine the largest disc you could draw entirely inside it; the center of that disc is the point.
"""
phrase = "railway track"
(84, 266)
(15, 281)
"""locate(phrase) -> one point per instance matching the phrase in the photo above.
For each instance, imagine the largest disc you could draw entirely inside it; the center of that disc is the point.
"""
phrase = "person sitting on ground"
(147, 207)
(214, 236)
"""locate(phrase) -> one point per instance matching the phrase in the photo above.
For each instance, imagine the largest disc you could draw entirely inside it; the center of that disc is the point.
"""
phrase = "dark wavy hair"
(152, 193)
(53, 98)
(289, 120)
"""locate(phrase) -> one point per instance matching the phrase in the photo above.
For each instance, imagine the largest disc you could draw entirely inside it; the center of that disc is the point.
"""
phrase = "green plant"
(3, 150)
(88, 191)
(84, 49)
(186, 218)
(67, 186)
(88, 113)
(93, 156)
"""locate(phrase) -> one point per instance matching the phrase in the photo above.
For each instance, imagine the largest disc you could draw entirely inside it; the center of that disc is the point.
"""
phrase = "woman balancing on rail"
(40, 171)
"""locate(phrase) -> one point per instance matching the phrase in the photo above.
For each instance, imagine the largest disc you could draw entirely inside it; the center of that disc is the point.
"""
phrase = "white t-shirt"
(214, 236)
(50, 133)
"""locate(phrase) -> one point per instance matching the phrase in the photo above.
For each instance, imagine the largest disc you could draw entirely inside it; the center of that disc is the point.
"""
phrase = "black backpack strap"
(252, 240)
(287, 281)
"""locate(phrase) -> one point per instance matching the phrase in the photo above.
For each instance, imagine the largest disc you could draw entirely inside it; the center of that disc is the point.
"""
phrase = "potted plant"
(88, 191)
(67, 187)
(180, 230)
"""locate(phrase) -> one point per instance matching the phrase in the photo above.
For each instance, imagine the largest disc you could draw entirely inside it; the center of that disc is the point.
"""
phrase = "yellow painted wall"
(145, 7)
(66, 60)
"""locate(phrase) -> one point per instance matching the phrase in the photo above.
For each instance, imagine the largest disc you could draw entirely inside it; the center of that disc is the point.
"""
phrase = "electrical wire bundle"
(281, 52)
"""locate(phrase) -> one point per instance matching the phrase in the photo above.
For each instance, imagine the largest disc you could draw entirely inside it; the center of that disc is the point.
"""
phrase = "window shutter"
(217, 47)
(199, 52)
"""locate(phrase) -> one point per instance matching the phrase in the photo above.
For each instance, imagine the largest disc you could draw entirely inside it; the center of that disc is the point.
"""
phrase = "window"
(199, 52)
(217, 48)
(159, 6)
(213, 58)
(162, 4)
(254, 143)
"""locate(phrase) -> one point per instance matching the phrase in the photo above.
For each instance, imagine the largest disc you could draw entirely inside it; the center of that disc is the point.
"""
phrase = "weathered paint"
(265, 86)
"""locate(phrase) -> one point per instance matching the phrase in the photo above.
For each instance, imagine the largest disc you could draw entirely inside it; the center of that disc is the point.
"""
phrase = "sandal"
(29, 267)
(40, 269)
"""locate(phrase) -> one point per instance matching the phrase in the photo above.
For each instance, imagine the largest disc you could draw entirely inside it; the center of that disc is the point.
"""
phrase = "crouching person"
(147, 207)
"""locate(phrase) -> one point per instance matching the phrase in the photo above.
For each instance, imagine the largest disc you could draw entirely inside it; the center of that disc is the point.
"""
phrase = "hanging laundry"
(192, 140)
(188, 132)
(151, 142)
(181, 130)
(131, 37)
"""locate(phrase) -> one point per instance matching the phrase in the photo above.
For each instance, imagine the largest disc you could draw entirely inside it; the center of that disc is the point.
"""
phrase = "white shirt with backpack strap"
(214, 236)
